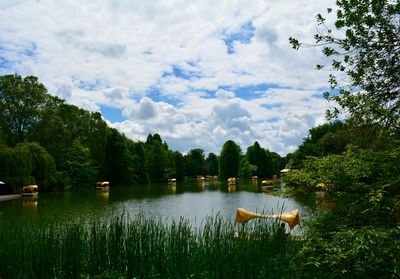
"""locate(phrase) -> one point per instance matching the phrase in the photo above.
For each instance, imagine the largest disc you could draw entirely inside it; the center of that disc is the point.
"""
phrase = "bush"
(352, 253)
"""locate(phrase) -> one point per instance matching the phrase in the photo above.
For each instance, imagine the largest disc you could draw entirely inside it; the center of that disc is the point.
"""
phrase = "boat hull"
(29, 194)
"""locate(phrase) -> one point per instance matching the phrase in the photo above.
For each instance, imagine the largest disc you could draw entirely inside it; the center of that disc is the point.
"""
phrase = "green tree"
(365, 53)
(212, 164)
(180, 166)
(119, 161)
(246, 169)
(259, 157)
(229, 162)
(139, 163)
(79, 166)
(21, 102)
(27, 163)
(195, 162)
(62, 125)
(157, 158)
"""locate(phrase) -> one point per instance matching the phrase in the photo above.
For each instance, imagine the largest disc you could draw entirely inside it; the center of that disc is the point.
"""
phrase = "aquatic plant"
(143, 247)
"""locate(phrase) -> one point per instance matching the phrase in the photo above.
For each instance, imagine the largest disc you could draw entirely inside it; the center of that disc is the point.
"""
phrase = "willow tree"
(230, 160)
(27, 163)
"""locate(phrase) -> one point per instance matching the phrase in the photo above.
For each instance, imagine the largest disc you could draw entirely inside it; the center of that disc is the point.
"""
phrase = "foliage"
(62, 125)
(21, 102)
(246, 169)
(300, 180)
(79, 166)
(212, 164)
(157, 158)
(367, 252)
(356, 170)
(195, 162)
(180, 165)
(333, 137)
(266, 163)
(118, 160)
(27, 163)
(229, 162)
(366, 50)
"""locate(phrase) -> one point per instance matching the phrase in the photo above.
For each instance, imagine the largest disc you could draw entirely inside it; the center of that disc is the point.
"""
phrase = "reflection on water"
(30, 202)
(189, 199)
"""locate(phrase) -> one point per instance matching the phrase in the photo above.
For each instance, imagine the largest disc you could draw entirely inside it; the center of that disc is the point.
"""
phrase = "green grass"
(144, 248)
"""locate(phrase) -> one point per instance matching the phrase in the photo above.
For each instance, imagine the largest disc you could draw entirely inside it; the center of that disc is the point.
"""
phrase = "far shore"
(10, 197)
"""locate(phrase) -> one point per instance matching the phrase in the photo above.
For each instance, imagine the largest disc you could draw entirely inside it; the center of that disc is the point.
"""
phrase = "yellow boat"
(172, 181)
(30, 190)
(292, 217)
(103, 185)
(200, 178)
(231, 180)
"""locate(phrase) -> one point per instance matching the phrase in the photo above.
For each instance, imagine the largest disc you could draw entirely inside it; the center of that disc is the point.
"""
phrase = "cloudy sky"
(196, 72)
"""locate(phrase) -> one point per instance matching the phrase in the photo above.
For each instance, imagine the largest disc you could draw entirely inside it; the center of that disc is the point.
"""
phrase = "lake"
(190, 199)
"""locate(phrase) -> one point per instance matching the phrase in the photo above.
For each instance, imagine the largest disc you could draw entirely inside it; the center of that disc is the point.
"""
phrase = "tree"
(246, 169)
(212, 164)
(156, 157)
(195, 162)
(368, 54)
(62, 125)
(21, 102)
(230, 160)
(27, 163)
(258, 156)
(119, 161)
(180, 166)
(79, 166)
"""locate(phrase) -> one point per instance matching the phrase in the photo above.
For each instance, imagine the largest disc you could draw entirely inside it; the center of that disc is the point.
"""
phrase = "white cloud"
(163, 63)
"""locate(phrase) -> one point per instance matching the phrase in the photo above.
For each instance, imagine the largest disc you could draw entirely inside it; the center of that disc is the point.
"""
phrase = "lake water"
(190, 199)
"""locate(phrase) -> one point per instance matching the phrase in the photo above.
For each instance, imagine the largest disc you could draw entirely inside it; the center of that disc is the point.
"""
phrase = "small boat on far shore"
(30, 190)
(232, 181)
(172, 181)
(103, 186)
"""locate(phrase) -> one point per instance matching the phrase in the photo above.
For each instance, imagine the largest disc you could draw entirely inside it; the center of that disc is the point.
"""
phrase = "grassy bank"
(143, 248)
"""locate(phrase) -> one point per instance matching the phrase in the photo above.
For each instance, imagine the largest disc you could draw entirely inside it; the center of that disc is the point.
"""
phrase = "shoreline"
(10, 197)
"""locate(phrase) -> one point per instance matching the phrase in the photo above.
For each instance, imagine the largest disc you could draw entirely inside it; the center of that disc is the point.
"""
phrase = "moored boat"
(103, 185)
(200, 178)
(172, 181)
(267, 185)
(231, 180)
(292, 218)
(30, 190)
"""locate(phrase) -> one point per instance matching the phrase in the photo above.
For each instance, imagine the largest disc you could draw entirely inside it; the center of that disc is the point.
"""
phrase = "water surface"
(190, 199)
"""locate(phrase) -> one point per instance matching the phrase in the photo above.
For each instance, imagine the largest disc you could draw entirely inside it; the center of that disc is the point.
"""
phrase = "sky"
(198, 73)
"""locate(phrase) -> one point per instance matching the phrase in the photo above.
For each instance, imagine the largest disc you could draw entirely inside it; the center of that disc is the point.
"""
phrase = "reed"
(142, 248)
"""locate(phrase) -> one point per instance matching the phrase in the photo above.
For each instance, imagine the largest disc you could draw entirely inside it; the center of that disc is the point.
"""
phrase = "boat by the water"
(292, 218)
(30, 190)
(201, 178)
(172, 181)
(231, 180)
(103, 186)
(267, 185)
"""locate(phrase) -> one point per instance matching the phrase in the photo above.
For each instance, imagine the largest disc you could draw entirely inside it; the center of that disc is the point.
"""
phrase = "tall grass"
(143, 248)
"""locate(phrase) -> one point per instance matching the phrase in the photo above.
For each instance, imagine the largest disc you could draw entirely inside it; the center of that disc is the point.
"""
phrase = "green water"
(190, 199)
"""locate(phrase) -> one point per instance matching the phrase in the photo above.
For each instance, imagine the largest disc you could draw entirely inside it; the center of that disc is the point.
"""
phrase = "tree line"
(45, 141)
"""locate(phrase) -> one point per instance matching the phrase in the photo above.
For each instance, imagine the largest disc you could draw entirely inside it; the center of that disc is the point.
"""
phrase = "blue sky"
(196, 72)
